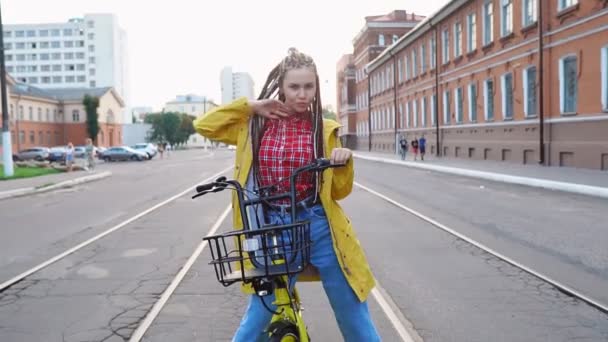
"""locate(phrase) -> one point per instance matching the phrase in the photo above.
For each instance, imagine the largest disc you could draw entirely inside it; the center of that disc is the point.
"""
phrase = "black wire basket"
(273, 250)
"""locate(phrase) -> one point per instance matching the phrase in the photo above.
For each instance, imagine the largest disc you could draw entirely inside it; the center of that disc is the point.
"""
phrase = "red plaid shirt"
(285, 146)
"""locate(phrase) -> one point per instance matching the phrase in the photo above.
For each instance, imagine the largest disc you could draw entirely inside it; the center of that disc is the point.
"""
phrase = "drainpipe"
(541, 86)
(369, 111)
(395, 98)
(438, 151)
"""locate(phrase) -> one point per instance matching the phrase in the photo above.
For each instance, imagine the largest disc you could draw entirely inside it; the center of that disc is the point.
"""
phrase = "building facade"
(88, 52)
(486, 79)
(377, 34)
(190, 104)
(235, 85)
(54, 117)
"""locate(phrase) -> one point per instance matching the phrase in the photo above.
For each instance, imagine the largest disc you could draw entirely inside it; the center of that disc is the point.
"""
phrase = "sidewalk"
(33, 185)
(579, 181)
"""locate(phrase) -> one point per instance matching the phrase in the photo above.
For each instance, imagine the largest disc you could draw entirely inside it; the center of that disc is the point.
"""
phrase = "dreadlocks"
(272, 89)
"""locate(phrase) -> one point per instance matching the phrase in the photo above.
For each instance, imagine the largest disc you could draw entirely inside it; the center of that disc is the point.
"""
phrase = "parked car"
(99, 150)
(123, 153)
(57, 154)
(79, 151)
(149, 148)
(35, 153)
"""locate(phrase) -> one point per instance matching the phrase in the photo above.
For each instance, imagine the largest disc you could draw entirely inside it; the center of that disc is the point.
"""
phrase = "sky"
(179, 47)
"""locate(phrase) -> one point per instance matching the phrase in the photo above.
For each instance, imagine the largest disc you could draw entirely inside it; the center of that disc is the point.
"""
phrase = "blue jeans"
(352, 315)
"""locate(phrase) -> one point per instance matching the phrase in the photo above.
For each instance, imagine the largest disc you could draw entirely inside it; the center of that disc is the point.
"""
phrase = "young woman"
(69, 156)
(273, 137)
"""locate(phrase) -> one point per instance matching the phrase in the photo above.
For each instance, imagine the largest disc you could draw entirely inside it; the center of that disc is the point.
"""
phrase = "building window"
(19, 34)
(563, 4)
(45, 56)
(529, 12)
(31, 113)
(423, 64)
(91, 36)
(381, 39)
(31, 33)
(46, 79)
(488, 95)
(43, 33)
(433, 110)
(22, 137)
(446, 46)
(488, 22)
(40, 137)
(82, 79)
(401, 115)
(506, 17)
(408, 68)
(92, 72)
(457, 40)
(395, 38)
(459, 105)
(68, 55)
(91, 60)
(44, 45)
(79, 55)
(48, 115)
(69, 79)
(471, 32)
(415, 112)
(67, 32)
(76, 115)
(19, 46)
(91, 48)
(568, 84)
(32, 137)
(446, 107)
(90, 24)
(57, 79)
(507, 96)
(80, 43)
(433, 54)
(530, 91)
(39, 114)
(55, 33)
(423, 111)
(473, 102)
(55, 45)
(21, 113)
(414, 63)
(8, 34)
(68, 44)
(604, 78)
(400, 70)
(32, 80)
(56, 67)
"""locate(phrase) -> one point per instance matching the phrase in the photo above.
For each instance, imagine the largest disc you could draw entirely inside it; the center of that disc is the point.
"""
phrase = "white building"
(235, 85)
(190, 104)
(83, 52)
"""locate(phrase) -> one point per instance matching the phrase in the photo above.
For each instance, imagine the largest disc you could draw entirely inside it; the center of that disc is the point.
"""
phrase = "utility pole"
(7, 152)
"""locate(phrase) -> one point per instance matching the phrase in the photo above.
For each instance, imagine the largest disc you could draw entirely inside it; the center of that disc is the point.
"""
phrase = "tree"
(91, 103)
(165, 127)
(328, 113)
(186, 129)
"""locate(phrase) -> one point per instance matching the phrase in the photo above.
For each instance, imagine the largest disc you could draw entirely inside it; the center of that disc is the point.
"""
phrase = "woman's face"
(299, 88)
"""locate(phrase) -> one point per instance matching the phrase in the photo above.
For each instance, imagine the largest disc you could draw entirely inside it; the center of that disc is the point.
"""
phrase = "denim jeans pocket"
(317, 211)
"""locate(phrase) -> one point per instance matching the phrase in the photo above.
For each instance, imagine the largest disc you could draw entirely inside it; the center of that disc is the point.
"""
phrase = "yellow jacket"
(230, 124)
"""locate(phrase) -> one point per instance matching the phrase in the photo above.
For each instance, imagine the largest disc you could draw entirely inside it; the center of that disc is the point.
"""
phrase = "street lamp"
(7, 153)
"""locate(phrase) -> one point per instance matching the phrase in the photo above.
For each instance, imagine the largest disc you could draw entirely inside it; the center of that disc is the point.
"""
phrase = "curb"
(64, 184)
(574, 188)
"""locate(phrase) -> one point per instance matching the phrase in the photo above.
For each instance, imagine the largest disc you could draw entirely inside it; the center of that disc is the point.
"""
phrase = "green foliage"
(91, 103)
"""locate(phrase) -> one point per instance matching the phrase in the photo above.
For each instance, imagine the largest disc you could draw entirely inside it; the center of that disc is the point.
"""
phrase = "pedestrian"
(89, 155)
(403, 147)
(69, 156)
(422, 146)
(161, 150)
(415, 148)
(273, 138)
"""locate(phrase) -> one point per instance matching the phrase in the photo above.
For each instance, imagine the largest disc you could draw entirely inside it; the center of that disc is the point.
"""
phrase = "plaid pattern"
(285, 146)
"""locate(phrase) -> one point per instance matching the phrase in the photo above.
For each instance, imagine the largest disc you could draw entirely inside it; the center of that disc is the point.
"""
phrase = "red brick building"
(377, 34)
(52, 117)
(471, 79)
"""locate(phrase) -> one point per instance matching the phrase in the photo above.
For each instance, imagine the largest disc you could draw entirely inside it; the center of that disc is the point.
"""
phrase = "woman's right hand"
(269, 108)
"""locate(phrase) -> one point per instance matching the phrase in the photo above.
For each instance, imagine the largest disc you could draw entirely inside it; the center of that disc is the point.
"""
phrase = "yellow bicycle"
(267, 256)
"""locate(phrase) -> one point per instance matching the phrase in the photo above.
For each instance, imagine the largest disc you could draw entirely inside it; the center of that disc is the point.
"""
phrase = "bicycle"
(277, 252)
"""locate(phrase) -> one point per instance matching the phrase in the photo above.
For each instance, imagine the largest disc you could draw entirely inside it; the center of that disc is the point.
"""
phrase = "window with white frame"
(471, 32)
(604, 56)
(457, 40)
(459, 105)
(401, 121)
(530, 103)
(381, 39)
(472, 102)
(423, 112)
(507, 96)
(488, 97)
(433, 110)
(488, 22)
(563, 4)
(530, 10)
(407, 114)
(568, 84)
(414, 63)
(408, 68)
(395, 38)
(433, 54)
(506, 17)
(445, 46)
(415, 112)
(423, 58)
(446, 107)
(400, 70)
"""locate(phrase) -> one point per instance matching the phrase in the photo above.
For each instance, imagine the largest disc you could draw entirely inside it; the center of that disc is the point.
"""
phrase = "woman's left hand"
(340, 155)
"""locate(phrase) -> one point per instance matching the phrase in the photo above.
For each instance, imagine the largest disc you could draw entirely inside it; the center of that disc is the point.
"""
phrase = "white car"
(148, 148)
